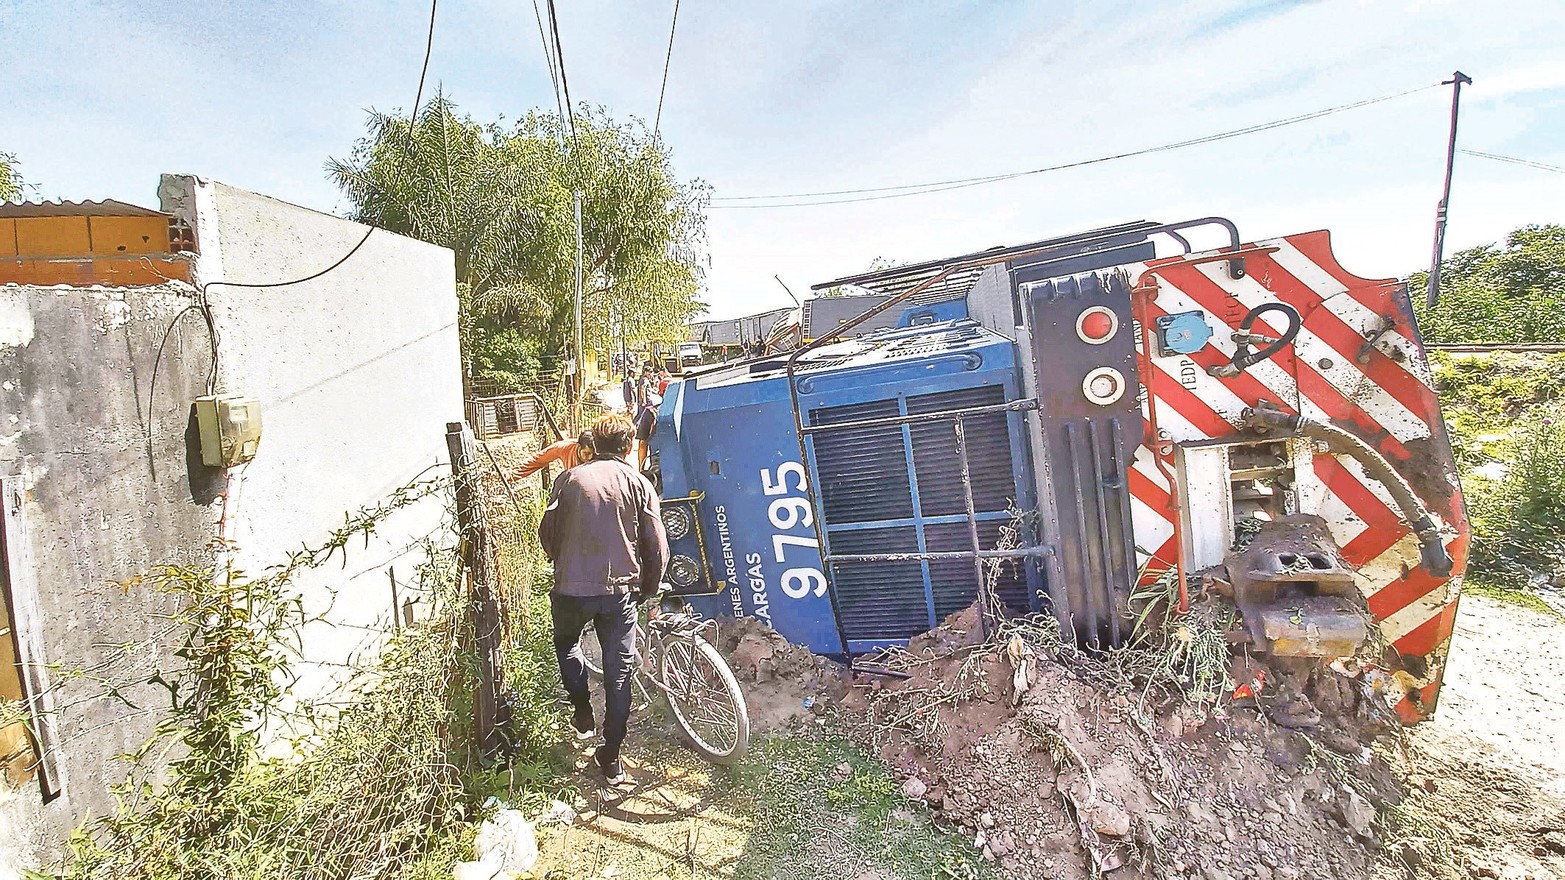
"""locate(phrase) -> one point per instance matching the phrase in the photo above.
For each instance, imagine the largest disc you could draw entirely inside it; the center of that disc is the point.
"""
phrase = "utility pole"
(1457, 80)
(785, 289)
(581, 356)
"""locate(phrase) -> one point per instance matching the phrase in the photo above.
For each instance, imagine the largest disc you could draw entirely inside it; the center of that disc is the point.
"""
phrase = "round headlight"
(683, 572)
(676, 521)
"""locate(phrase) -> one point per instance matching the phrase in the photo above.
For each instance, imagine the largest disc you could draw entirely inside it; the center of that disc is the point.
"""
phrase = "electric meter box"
(230, 428)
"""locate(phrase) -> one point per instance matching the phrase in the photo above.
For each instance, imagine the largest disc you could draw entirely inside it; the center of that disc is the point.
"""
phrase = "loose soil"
(1052, 775)
(1070, 781)
(1493, 758)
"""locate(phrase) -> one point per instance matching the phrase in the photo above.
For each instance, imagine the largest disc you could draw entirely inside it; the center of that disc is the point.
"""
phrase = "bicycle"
(674, 654)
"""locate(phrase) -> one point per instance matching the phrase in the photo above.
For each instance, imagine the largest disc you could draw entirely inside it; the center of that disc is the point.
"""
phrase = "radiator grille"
(865, 482)
(862, 471)
(988, 453)
(879, 600)
(952, 582)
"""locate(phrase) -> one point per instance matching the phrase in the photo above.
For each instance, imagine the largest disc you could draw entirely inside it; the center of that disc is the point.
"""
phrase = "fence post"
(479, 561)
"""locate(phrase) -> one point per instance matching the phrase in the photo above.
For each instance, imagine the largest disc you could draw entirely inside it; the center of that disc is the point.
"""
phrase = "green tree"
(501, 198)
(10, 179)
(1510, 292)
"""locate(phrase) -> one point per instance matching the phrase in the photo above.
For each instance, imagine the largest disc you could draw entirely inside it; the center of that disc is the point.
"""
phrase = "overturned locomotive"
(1051, 425)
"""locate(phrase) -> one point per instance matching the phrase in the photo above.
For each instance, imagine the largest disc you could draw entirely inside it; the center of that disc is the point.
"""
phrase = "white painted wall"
(357, 373)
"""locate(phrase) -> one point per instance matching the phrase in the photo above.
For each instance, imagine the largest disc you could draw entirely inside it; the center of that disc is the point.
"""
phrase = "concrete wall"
(98, 488)
(357, 373)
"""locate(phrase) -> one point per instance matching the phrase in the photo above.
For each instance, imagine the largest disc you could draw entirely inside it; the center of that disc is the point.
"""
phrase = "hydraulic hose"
(1243, 357)
(1432, 550)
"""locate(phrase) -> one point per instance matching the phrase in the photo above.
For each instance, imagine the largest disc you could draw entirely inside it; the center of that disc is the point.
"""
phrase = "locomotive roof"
(903, 278)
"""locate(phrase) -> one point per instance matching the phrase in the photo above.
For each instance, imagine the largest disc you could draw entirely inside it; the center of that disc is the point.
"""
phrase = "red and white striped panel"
(1356, 364)
(1152, 517)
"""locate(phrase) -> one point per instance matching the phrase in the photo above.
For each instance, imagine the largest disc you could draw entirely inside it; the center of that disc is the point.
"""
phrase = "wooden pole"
(1457, 80)
(479, 560)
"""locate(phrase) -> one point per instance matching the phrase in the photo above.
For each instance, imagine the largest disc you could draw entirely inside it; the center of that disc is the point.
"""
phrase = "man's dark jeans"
(614, 618)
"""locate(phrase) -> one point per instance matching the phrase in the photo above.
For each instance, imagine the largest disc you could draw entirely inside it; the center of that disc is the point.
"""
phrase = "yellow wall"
(82, 236)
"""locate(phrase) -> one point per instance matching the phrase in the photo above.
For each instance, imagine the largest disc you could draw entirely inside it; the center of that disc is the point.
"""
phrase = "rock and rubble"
(1052, 773)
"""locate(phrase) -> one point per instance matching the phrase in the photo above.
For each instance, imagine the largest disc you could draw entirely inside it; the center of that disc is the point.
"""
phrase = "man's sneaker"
(585, 727)
(613, 771)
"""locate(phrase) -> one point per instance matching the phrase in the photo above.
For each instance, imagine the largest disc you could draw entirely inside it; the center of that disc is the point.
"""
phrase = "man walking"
(603, 532)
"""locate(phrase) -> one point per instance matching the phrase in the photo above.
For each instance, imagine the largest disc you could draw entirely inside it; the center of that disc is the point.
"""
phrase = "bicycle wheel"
(708, 705)
(591, 651)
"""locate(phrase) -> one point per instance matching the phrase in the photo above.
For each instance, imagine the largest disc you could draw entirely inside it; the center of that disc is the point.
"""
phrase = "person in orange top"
(565, 453)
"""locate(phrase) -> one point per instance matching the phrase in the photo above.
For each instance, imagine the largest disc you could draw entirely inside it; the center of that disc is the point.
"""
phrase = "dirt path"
(1495, 752)
(1505, 687)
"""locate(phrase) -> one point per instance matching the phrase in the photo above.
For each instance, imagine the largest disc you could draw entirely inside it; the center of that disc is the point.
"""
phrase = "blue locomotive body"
(743, 528)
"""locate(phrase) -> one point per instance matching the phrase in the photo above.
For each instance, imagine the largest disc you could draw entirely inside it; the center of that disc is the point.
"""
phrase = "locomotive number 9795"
(791, 513)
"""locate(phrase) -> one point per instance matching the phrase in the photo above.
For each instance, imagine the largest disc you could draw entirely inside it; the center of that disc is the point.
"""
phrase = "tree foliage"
(10, 179)
(1511, 292)
(501, 197)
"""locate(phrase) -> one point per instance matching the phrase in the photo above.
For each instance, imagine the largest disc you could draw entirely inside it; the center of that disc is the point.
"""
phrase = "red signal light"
(1096, 325)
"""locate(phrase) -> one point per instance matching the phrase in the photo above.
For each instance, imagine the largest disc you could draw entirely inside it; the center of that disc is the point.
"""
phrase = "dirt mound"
(785, 685)
(1054, 774)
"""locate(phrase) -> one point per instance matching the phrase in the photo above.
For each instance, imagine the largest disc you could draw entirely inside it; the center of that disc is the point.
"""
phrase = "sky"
(98, 99)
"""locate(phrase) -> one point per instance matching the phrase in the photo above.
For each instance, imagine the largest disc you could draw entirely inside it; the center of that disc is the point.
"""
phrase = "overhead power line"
(429, 47)
(204, 306)
(548, 59)
(1514, 161)
(418, 98)
(871, 194)
(657, 124)
(565, 82)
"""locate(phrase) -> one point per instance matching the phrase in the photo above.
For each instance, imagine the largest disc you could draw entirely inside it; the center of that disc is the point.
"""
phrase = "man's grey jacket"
(603, 531)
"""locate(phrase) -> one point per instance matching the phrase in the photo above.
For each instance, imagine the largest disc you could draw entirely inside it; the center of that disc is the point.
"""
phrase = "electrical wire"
(657, 124)
(429, 47)
(1527, 163)
(548, 59)
(917, 189)
(565, 82)
(204, 306)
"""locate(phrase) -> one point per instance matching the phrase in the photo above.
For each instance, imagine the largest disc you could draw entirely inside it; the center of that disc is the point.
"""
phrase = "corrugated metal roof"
(957, 284)
(105, 208)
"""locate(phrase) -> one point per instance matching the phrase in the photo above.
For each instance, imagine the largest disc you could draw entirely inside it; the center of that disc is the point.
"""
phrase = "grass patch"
(1520, 597)
(813, 821)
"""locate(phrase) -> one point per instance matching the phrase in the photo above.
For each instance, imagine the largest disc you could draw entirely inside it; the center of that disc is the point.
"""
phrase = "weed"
(387, 784)
(810, 825)
(1517, 521)
(1522, 598)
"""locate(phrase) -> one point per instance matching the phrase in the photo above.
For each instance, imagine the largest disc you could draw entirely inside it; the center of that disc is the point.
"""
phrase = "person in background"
(643, 384)
(603, 532)
(627, 390)
(565, 453)
(647, 422)
(663, 379)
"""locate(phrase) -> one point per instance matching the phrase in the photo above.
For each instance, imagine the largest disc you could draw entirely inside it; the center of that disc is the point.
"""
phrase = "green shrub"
(1519, 519)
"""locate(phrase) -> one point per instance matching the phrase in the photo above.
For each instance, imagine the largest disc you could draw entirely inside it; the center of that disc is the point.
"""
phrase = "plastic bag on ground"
(504, 848)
